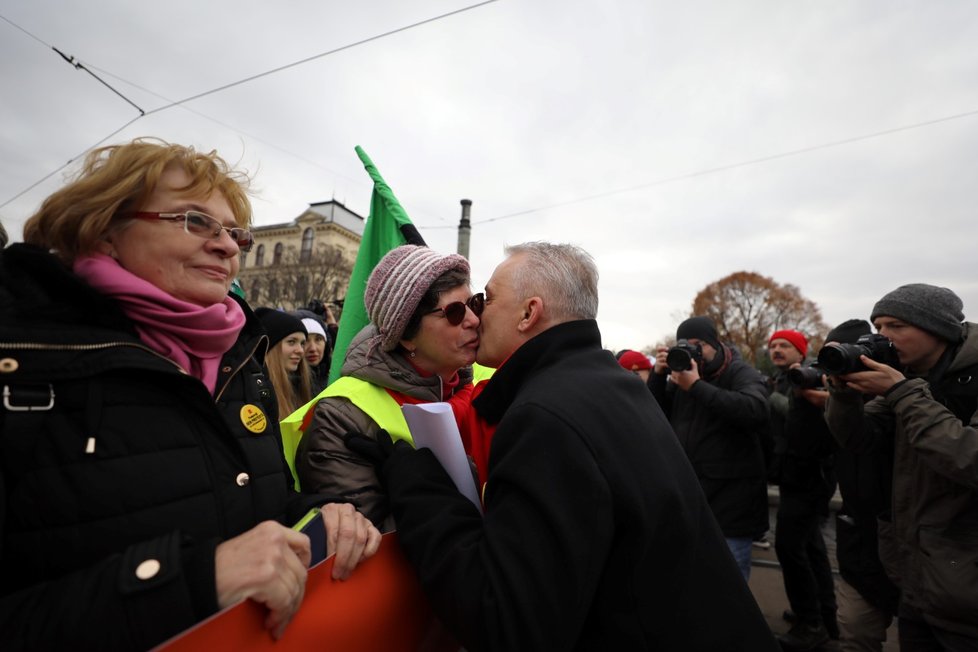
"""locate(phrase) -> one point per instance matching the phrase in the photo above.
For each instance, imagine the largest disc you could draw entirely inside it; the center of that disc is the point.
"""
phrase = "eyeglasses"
(455, 311)
(203, 225)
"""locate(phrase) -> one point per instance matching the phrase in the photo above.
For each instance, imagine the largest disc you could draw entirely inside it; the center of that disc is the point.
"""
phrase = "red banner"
(380, 608)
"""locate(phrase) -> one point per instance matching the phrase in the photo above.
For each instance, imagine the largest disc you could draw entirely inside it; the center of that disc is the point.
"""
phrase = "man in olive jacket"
(929, 540)
(719, 410)
(596, 535)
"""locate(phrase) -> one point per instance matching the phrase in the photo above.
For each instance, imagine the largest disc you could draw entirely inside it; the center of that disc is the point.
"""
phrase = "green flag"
(387, 227)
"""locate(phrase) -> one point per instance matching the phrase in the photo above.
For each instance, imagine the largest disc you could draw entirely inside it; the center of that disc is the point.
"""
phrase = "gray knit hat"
(397, 285)
(931, 308)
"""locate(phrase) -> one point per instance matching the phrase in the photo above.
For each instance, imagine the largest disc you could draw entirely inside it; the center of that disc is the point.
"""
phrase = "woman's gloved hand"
(377, 451)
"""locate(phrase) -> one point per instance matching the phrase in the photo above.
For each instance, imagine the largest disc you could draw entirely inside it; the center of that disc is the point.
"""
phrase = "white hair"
(563, 275)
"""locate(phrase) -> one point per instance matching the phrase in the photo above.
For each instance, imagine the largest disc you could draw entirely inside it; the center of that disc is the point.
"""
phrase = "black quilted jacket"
(123, 467)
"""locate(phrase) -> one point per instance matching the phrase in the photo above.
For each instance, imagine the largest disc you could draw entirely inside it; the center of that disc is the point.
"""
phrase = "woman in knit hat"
(418, 348)
(285, 360)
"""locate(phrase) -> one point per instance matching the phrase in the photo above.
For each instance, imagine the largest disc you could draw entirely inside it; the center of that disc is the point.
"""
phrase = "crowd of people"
(893, 429)
(146, 483)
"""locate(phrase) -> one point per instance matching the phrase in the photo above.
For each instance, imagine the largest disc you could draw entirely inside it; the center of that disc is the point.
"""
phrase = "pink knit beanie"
(397, 285)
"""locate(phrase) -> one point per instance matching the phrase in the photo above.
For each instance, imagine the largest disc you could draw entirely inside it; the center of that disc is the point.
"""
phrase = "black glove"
(376, 451)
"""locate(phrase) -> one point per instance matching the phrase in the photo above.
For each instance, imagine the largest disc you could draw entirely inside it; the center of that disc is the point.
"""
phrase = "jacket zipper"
(35, 346)
(244, 361)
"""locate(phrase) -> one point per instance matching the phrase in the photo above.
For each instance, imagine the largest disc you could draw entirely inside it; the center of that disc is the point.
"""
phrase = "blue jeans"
(740, 547)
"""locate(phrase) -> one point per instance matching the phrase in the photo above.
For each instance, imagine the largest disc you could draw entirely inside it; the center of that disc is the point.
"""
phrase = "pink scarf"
(194, 337)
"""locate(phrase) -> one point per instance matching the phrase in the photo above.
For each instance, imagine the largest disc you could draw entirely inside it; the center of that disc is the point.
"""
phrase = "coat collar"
(39, 292)
(549, 347)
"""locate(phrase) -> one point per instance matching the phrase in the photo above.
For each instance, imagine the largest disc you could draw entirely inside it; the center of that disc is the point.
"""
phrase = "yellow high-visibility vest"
(372, 399)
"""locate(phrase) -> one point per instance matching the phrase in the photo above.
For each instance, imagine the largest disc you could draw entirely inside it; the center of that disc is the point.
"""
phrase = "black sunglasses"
(455, 311)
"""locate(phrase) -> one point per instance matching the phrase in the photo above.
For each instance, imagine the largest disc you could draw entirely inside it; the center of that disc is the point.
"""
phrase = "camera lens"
(837, 359)
(805, 377)
(833, 359)
(679, 360)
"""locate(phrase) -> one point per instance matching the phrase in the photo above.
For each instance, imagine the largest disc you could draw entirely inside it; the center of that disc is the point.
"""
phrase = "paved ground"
(768, 587)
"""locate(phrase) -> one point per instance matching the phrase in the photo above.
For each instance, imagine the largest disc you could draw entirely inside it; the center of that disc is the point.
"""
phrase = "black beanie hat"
(279, 325)
(701, 328)
(849, 331)
(931, 308)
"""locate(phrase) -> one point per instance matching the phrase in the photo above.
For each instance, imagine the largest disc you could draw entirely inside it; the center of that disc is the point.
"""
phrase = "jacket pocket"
(949, 573)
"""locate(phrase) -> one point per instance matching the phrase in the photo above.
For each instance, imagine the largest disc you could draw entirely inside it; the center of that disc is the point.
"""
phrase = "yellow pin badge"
(253, 418)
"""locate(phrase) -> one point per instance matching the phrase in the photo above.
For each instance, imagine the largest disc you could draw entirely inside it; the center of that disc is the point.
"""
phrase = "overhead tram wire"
(77, 64)
(324, 54)
(80, 66)
(724, 168)
(67, 163)
(569, 202)
(299, 157)
(229, 127)
(18, 27)
(214, 90)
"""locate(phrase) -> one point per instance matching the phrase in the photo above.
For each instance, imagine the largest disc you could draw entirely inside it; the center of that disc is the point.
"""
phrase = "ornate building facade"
(310, 257)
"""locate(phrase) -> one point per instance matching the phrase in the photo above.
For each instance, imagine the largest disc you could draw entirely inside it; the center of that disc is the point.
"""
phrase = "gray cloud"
(520, 106)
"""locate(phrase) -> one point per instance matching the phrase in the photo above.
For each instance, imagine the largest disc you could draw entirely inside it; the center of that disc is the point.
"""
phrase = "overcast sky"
(615, 125)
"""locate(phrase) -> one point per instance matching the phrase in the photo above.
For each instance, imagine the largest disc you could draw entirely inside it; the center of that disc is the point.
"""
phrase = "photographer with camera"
(924, 403)
(802, 469)
(867, 599)
(717, 404)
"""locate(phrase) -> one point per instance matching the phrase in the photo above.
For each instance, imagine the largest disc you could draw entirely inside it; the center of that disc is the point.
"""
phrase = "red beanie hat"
(633, 360)
(797, 340)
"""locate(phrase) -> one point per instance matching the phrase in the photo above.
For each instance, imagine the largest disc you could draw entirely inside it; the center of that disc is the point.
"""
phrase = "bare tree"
(293, 280)
(747, 307)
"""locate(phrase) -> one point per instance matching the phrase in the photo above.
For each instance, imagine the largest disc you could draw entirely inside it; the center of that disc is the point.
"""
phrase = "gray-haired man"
(596, 534)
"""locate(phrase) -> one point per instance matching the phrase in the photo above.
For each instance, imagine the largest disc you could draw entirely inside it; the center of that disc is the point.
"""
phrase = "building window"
(260, 255)
(305, 255)
(302, 290)
(243, 256)
(255, 291)
(277, 257)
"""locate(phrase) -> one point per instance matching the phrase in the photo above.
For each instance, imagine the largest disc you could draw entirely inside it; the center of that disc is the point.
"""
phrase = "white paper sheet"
(433, 426)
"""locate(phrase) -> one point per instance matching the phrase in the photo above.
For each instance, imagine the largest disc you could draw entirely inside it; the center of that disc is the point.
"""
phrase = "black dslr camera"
(807, 377)
(316, 306)
(681, 356)
(840, 359)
